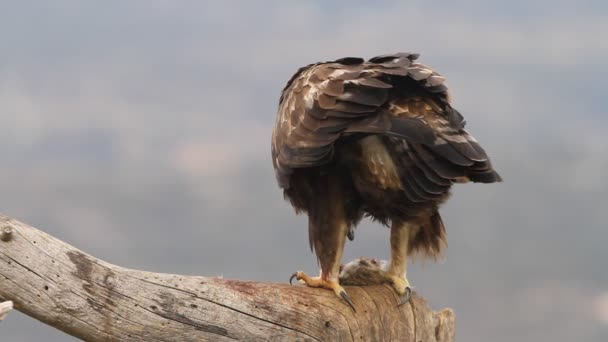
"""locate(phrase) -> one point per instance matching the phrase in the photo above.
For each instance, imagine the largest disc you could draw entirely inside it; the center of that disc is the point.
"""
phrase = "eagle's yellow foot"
(325, 284)
(402, 287)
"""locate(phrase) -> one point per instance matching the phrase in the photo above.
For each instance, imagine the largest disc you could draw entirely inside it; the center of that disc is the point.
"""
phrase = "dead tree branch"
(96, 301)
(5, 307)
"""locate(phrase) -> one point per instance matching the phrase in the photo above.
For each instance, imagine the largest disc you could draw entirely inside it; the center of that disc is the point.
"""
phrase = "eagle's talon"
(405, 298)
(294, 275)
(324, 284)
(402, 287)
(346, 298)
(351, 233)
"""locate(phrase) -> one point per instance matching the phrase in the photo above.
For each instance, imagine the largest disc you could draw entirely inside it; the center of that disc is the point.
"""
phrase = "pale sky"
(119, 120)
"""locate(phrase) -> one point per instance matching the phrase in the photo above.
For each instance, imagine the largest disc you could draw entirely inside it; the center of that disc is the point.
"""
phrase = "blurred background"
(140, 131)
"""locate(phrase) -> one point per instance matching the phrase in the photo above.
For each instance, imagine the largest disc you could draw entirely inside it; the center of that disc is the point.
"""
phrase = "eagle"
(376, 138)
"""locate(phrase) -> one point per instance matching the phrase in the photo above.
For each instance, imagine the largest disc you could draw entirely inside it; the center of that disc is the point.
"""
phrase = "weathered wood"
(91, 299)
(5, 307)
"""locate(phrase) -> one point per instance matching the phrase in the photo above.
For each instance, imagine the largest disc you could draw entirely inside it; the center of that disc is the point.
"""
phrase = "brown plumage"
(377, 138)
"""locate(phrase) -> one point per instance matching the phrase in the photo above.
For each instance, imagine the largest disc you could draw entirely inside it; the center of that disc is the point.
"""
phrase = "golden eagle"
(377, 138)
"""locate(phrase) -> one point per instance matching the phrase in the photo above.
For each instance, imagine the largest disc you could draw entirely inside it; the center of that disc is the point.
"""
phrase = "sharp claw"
(348, 300)
(406, 296)
(292, 276)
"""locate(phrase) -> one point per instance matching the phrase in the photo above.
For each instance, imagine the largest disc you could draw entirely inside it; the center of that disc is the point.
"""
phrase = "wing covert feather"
(390, 95)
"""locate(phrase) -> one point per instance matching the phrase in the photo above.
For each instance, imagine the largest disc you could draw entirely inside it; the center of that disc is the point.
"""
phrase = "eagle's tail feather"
(430, 239)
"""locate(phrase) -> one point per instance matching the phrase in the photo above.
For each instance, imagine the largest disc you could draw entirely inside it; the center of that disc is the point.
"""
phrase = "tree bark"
(5, 307)
(96, 301)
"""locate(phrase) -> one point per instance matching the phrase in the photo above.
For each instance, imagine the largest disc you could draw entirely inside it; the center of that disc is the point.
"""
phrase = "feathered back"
(389, 95)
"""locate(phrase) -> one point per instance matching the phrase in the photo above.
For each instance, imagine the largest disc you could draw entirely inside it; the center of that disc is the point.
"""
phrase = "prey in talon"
(367, 271)
(377, 138)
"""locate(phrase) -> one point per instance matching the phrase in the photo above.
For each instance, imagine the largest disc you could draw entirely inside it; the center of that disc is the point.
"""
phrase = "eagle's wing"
(390, 95)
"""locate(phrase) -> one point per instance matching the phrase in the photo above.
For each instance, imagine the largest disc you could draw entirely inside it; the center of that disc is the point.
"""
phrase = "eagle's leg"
(329, 249)
(328, 228)
(397, 269)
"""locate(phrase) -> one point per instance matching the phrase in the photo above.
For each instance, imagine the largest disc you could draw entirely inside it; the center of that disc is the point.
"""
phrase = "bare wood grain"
(91, 299)
(5, 307)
